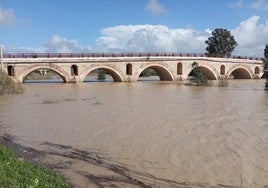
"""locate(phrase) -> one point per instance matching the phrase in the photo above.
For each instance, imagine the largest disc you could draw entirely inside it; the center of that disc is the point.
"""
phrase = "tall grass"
(18, 173)
(8, 86)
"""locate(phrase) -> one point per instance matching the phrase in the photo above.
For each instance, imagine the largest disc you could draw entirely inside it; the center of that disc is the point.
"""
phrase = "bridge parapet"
(82, 55)
(127, 59)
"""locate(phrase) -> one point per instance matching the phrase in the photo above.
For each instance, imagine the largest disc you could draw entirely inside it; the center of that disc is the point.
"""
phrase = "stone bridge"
(128, 67)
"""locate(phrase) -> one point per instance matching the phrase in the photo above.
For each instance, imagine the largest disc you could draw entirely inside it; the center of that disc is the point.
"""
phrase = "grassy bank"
(15, 171)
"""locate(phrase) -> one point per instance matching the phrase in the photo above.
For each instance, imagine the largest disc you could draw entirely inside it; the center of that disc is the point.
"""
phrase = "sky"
(179, 26)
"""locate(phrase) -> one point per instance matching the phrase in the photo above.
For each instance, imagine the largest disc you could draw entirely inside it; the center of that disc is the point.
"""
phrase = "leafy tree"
(199, 77)
(101, 74)
(265, 65)
(221, 43)
(148, 72)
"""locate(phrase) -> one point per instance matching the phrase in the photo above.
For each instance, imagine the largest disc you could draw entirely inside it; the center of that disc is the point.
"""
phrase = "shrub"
(16, 172)
(8, 86)
(198, 76)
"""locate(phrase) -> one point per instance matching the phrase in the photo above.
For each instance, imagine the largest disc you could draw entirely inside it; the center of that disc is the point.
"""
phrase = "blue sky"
(130, 25)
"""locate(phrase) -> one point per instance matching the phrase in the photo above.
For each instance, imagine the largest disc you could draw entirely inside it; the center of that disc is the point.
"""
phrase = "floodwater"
(163, 133)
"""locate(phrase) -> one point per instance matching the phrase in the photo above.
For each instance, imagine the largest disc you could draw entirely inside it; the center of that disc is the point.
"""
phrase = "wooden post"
(1, 56)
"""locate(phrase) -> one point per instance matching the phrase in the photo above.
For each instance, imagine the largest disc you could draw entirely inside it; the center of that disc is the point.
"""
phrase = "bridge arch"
(240, 72)
(210, 72)
(114, 73)
(163, 72)
(26, 71)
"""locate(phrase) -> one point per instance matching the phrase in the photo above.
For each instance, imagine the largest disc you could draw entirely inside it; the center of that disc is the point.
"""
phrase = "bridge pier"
(74, 79)
(223, 77)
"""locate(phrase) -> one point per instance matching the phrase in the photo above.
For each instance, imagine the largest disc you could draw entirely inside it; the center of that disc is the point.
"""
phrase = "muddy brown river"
(159, 134)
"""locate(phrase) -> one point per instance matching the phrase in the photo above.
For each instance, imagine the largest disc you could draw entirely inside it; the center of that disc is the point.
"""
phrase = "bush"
(148, 72)
(198, 76)
(8, 86)
(101, 74)
(19, 173)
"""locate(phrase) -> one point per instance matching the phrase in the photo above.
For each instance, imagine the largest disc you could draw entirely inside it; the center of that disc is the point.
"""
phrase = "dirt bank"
(96, 169)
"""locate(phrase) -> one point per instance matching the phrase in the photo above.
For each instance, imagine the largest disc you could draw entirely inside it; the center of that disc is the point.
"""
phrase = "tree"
(101, 74)
(221, 43)
(199, 77)
(265, 66)
(148, 72)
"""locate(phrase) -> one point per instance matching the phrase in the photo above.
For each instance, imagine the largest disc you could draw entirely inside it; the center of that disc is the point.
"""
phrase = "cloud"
(238, 3)
(261, 5)
(57, 44)
(7, 17)
(62, 45)
(154, 7)
(251, 37)
(151, 38)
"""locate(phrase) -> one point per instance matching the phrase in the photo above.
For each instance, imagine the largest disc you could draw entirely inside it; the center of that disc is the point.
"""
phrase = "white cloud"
(261, 5)
(251, 37)
(151, 38)
(155, 7)
(57, 44)
(7, 17)
(61, 44)
(238, 3)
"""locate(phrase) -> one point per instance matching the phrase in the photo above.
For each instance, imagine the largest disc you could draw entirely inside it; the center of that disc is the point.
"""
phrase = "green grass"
(18, 173)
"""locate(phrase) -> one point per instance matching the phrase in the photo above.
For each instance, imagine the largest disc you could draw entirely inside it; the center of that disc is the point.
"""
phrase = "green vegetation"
(265, 66)
(19, 173)
(101, 74)
(221, 43)
(148, 72)
(97, 103)
(8, 86)
(52, 100)
(198, 77)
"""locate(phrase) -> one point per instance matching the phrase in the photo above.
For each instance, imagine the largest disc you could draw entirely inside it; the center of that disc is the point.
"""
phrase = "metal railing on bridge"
(84, 55)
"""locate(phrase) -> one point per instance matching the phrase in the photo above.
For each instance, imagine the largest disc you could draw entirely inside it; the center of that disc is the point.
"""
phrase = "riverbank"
(36, 175)
(21, 167)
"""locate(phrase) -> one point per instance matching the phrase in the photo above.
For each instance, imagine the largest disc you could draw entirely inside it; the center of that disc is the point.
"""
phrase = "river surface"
(164, 130)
